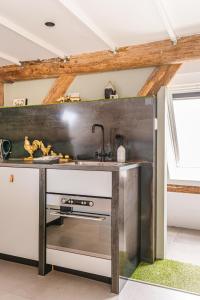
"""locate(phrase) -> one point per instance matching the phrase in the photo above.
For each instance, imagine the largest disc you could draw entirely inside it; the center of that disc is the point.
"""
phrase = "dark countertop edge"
(25, 164)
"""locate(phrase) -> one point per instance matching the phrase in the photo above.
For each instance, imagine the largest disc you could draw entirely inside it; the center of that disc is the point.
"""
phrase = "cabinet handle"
(11, 178)
(78, 216)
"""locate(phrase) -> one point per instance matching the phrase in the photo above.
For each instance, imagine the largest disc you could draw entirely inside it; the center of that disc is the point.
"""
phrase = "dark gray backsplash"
(67, 127)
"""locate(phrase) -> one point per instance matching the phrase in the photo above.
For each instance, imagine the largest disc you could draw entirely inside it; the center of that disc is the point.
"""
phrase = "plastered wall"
(91, 86)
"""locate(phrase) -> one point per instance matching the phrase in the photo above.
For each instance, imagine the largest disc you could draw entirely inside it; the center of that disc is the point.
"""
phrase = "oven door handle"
(78, 216)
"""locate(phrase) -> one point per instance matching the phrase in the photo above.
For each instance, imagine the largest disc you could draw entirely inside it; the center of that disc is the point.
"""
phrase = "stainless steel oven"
(79, 224)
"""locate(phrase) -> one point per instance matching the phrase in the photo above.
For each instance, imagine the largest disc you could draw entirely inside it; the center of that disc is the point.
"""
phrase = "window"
(184, 129)
(187, 120)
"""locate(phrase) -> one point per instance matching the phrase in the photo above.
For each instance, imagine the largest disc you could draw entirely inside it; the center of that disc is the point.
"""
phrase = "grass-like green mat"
(170, 273)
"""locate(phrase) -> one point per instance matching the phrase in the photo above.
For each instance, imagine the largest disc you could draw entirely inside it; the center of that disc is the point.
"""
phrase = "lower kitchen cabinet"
(19, 212)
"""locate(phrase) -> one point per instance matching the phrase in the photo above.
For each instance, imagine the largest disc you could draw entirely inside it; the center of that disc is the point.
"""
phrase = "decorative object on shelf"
(20, 102)
(45, 150)
(31, 148)
(116, 96)
(63, 99)
(110, 91)
(69, 98)
(75, 96)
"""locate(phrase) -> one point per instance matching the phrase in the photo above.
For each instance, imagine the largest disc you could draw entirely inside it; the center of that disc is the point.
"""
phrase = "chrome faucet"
(102, 154)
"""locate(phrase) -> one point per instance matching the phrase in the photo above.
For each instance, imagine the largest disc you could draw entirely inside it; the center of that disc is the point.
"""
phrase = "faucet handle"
(109, 154)
(96, 154)
(100, 155)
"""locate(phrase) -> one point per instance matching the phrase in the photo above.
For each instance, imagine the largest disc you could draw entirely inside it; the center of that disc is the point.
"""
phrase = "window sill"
(188, 189)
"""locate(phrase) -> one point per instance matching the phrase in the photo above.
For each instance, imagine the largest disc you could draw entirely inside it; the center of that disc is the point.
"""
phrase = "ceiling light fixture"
(49, 24)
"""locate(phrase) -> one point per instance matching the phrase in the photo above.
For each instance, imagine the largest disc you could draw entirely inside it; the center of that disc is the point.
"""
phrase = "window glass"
(187, 120)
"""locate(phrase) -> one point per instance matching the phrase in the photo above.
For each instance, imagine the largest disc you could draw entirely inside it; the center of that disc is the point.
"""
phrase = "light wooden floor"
(20, 282)
(183, 245)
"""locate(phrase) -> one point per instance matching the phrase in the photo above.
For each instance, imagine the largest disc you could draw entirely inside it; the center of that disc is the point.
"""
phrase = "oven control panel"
(77, 202)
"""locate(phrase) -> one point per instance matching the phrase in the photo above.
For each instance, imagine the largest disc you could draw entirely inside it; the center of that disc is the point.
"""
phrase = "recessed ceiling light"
(49, 24)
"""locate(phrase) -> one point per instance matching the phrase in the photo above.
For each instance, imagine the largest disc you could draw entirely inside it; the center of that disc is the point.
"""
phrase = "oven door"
(71, 229)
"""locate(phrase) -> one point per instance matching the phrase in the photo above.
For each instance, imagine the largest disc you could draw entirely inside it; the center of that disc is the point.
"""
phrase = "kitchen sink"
(92, 163)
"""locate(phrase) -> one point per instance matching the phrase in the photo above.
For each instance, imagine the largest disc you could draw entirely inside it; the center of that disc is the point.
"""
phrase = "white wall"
(186, 78)
(90, 86)
(34, 91)
(183, 210)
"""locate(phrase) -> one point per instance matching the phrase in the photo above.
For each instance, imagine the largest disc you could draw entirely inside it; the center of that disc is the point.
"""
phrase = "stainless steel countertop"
(111, 166)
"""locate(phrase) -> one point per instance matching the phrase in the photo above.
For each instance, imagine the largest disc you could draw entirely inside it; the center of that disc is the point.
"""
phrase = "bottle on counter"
(121, 151)
(121, 154)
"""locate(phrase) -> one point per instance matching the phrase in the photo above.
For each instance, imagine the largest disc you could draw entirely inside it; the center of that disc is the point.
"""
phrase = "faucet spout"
(102, 154)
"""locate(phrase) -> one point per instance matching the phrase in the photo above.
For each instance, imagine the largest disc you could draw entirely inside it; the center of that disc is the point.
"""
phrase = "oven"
(79, 224)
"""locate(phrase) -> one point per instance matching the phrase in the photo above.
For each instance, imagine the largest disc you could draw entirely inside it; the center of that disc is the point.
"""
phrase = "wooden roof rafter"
(138, 56)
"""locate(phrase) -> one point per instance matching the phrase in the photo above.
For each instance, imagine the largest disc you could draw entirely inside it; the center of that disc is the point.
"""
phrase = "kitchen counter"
(127, 185)
(107, 166)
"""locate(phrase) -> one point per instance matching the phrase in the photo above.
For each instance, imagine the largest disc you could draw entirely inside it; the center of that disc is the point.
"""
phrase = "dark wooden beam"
(160, 76)
(59, 88)
(1, 94)
(138, 56)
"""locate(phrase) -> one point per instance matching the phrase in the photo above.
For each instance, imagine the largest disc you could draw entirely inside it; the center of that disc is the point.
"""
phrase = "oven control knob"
(91, 203)
(82, 203)
(63, 201)
(71, 202)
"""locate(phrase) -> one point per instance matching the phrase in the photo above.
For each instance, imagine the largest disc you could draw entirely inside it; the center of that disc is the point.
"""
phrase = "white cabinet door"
(19, 212)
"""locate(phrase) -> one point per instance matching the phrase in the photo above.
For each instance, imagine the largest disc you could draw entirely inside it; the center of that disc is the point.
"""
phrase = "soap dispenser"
(121, 151)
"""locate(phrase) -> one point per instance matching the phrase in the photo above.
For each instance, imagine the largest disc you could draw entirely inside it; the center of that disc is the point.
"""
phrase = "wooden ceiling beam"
(58, 89)
(1, 94)
(139, 56)
(160, 76)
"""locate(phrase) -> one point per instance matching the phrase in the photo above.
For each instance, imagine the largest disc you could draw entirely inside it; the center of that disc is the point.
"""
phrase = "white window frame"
(175, 171)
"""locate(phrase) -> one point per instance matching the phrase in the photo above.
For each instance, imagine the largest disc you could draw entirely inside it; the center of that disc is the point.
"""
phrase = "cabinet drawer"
(78, 182)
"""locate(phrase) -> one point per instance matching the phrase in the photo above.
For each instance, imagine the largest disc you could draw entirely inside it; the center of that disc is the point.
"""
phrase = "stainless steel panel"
(129, 224)
(79, 216)
(68, 126)
(81, 236)
(101, 205)
(84, 230)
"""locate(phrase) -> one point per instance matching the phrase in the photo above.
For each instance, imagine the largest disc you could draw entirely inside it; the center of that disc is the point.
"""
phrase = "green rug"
(170, 273)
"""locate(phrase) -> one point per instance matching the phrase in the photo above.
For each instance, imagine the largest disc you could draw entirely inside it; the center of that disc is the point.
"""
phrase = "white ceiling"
(89, 25)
